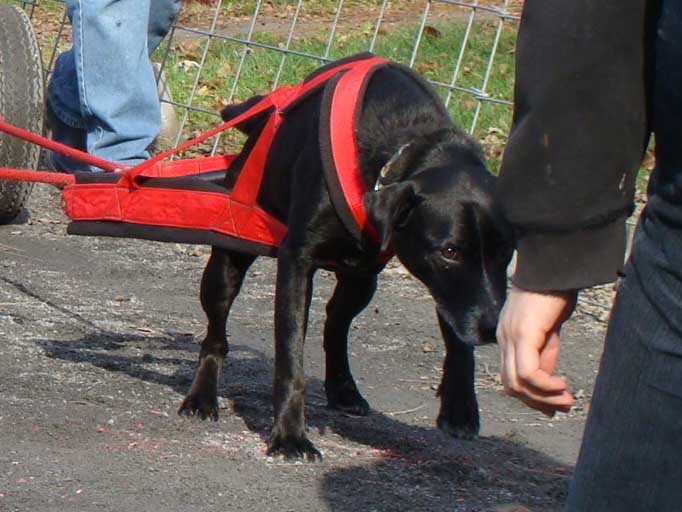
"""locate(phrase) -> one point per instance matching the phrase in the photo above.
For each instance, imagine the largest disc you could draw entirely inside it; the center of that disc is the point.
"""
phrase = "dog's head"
(435, 205)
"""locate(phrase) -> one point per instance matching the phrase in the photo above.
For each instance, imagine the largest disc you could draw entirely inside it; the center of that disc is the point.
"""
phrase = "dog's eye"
(453, 254)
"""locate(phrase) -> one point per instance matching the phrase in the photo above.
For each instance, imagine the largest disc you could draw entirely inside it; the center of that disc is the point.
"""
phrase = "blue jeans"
(103, 91)
(631, 456)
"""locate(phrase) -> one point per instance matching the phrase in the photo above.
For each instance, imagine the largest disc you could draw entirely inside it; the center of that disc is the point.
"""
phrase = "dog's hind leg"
(458, 414)
(351, 296)
(220, 284)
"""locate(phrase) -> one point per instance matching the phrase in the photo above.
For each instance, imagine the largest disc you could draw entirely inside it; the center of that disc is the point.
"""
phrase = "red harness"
(154, 194)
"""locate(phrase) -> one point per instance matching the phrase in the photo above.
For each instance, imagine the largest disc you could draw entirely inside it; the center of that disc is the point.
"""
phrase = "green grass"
(435, 60)
(311, 7)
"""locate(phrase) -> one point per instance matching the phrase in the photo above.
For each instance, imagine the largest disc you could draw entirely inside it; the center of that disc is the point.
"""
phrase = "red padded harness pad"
(211, 210)
(168, 201)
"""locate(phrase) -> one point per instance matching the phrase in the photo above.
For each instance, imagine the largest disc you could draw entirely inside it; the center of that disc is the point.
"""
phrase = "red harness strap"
(344, 145)
(234, 213)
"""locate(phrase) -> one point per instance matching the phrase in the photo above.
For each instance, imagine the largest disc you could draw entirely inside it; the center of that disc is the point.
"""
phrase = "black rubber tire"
(21, 104)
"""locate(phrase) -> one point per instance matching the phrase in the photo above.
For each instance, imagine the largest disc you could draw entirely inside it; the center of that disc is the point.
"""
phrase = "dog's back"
(397, 107)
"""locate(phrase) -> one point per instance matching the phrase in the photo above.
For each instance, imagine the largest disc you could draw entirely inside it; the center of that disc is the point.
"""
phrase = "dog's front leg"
(292, 302)
(458, 414)
(220, 284)
(351, 296)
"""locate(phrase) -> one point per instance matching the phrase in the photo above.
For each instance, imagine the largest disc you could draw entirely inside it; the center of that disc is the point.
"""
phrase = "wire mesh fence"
(226, 51)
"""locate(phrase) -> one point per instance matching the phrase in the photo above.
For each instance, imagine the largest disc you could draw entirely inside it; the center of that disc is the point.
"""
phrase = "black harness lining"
(206, 181)
(167, 234)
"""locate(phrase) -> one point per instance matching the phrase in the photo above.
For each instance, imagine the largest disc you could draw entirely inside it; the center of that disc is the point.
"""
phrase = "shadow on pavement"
(378, 461)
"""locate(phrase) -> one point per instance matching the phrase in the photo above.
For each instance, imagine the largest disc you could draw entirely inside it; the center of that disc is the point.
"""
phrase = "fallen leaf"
(431, 31)
(188, 50)
(224, 69)
(469, 104)
(429, 66)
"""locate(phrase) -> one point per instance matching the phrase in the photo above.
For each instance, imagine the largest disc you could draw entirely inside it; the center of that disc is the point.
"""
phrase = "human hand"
(528, 335)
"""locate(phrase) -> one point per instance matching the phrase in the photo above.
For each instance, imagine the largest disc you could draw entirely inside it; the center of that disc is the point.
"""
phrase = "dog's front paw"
(201, 405)
(465, 426)
(346, 398)
(292, 447)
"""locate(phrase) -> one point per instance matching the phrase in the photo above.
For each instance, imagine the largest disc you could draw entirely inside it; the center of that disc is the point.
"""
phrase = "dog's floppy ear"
(396, 166)
(234, 110)
(388, 208)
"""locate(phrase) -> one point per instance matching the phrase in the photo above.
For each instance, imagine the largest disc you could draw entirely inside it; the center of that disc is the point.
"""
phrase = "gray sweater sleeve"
(580, 128)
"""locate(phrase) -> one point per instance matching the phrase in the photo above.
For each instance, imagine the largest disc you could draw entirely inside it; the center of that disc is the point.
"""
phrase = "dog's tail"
(248, 125)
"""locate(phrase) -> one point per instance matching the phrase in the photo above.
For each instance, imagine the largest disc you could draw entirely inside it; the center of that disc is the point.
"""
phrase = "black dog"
(433, 205)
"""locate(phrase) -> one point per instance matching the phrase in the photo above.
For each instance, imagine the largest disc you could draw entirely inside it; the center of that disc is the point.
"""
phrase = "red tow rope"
(130, 172)
(53, 178)
(62, 149)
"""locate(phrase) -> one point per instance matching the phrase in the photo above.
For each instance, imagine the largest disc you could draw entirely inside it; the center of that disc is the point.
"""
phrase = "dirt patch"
(277, 19)
(100, 345)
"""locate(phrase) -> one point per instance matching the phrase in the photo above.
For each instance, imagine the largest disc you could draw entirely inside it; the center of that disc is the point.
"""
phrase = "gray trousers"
(631, 456)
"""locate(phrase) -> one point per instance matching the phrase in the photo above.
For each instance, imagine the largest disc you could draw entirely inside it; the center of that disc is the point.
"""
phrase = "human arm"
(579, 132)
(568, 173)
